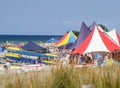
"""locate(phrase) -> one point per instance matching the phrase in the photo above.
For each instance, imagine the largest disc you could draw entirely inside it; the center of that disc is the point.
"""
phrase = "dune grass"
(64, 77)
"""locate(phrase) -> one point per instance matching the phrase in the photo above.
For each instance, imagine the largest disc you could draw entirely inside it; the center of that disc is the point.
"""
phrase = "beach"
(69, 62)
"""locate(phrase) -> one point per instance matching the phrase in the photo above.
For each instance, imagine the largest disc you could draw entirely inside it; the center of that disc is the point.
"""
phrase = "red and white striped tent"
(96, 41)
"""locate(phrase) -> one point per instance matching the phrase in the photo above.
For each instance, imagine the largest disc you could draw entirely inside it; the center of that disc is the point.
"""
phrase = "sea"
(25, 38)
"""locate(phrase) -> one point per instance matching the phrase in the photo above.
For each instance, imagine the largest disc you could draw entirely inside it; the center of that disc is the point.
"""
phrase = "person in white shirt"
(65, 60)
(7, 65)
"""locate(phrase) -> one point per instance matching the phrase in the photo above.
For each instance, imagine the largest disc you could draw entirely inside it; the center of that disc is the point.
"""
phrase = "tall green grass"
(63, 77)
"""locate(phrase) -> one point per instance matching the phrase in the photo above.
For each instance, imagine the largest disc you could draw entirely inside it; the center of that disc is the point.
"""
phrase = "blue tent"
(30, 46)
(51, 40)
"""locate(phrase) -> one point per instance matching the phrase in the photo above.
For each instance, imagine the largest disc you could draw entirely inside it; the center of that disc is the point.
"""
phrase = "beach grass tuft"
(64, 77)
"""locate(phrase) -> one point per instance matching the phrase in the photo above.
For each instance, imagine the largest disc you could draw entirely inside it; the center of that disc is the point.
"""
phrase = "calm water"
(26, 38)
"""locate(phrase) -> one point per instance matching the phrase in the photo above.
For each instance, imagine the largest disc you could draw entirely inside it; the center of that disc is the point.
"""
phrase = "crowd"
(103, 59)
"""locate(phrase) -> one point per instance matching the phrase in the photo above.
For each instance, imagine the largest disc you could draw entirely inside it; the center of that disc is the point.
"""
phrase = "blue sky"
(53, 17)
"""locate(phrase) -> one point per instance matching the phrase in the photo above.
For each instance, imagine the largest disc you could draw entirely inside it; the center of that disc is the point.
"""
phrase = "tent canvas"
(114, 36)
(84, 32)
(67, 46)
(100, 28)
(67, 38)
(93, 25)
(60, 40)
(96, 41)
(30, 46)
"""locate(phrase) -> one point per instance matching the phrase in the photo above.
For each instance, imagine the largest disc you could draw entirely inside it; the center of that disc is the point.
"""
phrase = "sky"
(55, 17)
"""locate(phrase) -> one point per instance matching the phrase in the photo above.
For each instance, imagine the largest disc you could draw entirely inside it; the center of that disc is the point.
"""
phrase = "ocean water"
(26, 38)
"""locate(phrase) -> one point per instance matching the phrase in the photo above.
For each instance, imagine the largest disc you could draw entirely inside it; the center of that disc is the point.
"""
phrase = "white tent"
(114, 36)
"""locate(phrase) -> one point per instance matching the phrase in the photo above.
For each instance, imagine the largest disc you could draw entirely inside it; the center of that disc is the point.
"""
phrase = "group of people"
(80, 59)
(67, 58)
(89, 58)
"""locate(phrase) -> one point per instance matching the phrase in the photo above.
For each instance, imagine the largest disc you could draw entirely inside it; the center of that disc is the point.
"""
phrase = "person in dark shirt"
(39, 60)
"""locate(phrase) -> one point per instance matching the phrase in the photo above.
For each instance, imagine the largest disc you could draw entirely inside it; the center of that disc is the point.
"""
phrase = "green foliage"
(103, 27)
(75, 32)
(62, 78)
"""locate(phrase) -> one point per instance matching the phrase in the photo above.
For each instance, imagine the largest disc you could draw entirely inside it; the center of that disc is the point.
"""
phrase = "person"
(65, 59)
(7, 65)
(86, 58)
(106, 56)
(108, 60)
(81, 59)
(39, 60)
